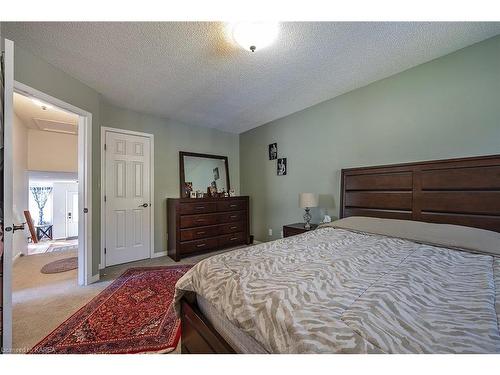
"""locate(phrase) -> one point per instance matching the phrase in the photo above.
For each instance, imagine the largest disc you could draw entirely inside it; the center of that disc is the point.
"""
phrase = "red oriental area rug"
(135, 314)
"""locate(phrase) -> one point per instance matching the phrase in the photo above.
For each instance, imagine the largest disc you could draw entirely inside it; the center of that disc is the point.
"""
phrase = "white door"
(127, 198)
(6, 216)
(71, 214)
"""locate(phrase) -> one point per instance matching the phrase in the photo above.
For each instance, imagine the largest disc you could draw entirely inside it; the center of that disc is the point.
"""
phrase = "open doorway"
(83, 136)
(45, 181)
(51, 195)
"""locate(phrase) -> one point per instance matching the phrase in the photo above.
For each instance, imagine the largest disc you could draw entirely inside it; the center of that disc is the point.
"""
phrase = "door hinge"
(105, 147)
(104, 250)
(104, 198)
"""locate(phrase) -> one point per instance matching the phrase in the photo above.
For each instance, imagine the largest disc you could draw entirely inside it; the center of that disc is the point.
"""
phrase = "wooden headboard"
(462, 191)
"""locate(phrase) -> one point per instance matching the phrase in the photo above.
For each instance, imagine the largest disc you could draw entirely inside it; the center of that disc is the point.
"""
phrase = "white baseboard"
(160, 254)
(154, 255)
(16, 256)
(94, 278)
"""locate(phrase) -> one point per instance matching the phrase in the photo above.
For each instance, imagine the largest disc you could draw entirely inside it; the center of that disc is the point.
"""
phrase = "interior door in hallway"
(127, 198)
(71, 214)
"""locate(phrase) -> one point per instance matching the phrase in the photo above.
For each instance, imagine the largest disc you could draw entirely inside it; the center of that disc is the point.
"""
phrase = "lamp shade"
(308, 200)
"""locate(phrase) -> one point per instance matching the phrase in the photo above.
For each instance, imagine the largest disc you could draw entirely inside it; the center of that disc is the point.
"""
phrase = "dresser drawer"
(229, 217)
(230, 205)
(200, 232)
(188, 221)
(234, 238)
(232, 227)
(197, 208)
(198, 245)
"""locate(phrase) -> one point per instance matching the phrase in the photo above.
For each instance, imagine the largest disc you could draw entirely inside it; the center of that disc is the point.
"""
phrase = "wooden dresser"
(200, 225)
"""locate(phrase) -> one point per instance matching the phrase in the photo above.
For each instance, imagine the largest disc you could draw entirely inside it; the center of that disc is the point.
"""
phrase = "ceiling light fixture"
(254, 35)
(41, 104)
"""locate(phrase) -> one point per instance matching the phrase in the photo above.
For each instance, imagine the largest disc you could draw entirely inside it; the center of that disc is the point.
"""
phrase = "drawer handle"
(233, 217)
(199, 220)
(201, 245)
(200, 207)
(200, 232)
(233, 205)
(233, 238)
(233, 227)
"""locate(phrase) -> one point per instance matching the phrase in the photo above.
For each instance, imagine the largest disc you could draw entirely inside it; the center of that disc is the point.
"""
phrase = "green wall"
(170, 138)
(449, 107)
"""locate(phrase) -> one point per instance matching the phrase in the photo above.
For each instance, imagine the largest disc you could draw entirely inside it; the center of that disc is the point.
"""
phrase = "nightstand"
(297, 228)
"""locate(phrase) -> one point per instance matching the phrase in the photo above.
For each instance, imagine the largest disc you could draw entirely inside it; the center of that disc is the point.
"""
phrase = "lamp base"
(307, 219)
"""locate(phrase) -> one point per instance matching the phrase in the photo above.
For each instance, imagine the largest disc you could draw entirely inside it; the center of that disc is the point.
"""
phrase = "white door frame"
(85, 276)
(8, 219)
(105, 129)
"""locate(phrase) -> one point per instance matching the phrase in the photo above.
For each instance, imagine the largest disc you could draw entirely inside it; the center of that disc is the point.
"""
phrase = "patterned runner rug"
(135, 314)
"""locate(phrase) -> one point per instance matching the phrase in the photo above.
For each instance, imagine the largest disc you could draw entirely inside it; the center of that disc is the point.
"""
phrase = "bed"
(413, 267)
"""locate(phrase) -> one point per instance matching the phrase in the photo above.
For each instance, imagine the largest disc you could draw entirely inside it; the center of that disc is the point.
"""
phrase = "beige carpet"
(41, 302)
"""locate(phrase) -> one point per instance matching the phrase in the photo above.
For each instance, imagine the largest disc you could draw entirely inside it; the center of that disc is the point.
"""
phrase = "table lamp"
(306, 201)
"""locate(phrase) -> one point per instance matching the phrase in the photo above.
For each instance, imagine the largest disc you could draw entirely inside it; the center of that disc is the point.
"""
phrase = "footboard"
(198, 334)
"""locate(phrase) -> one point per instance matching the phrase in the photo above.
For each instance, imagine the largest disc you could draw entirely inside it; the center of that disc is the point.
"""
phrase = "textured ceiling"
(50, 119)
(190, 72)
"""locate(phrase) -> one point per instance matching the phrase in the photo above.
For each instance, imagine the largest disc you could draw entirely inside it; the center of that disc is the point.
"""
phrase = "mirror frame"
(182, 176)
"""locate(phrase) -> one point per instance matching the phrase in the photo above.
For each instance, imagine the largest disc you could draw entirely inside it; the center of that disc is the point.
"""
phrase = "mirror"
(201, 171)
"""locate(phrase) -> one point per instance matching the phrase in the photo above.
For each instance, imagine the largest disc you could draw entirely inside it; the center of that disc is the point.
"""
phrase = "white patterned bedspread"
(338, 291)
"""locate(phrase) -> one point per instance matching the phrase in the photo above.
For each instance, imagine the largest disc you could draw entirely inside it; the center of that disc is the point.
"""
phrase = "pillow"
(444, 235)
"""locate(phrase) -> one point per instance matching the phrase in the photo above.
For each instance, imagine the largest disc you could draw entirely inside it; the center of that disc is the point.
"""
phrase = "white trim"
(8, 219)
(104, 129)
(160, 254)
(94, 278)
(16, 256)
(85, 276)
(27, 90)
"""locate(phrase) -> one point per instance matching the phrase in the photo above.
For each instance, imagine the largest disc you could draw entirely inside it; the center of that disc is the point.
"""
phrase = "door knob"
(144, 205)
